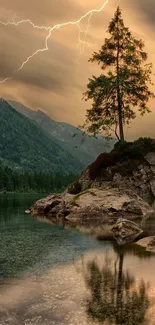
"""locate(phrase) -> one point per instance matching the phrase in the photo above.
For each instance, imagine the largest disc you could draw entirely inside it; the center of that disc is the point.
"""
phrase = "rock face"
(138, 175)
(93, 211)
(141, 181)
(125, 231)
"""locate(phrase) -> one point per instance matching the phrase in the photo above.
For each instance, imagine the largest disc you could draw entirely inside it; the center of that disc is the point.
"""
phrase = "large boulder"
(94, 210)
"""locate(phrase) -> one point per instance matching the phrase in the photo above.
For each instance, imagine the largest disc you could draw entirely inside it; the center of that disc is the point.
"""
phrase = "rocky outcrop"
(130, 169)
(119, 184)
(125, 231)
(94, 210)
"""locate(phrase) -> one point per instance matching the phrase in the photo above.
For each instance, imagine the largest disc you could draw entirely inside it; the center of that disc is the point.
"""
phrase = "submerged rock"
(125, 231)
(148, 243)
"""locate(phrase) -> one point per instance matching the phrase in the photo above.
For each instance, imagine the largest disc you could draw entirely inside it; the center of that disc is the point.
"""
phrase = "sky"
(53, 81)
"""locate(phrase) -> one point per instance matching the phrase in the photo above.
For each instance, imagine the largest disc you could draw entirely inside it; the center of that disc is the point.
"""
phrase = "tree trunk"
(119, 99)
(120, 118)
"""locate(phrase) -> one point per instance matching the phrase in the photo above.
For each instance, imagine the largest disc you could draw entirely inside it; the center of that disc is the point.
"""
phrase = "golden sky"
(53, 81)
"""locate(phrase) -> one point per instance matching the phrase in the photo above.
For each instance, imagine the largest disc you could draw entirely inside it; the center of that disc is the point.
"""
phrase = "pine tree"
(123, 86)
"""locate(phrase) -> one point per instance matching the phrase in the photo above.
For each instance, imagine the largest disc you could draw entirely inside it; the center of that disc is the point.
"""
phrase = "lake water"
(53, 276)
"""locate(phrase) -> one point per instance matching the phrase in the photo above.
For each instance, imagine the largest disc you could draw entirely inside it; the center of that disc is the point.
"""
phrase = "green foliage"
(123, 159)
(15, 181)
(123, 86)
(83, 147)
(24, 146)
(136, 149)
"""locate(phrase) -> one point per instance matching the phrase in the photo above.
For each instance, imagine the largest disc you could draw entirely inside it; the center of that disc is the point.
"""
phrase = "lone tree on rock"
(124, 84)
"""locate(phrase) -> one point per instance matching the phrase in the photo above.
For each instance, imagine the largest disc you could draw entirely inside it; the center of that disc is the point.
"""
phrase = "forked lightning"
(49, 29)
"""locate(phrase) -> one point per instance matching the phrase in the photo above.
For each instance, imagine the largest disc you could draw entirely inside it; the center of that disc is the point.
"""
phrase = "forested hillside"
(24, 146)
(23, 181)
(85, 148)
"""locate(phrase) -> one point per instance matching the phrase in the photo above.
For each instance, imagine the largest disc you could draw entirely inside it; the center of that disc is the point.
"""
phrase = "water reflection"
(40, 284)
(101, 287)
(115, 297)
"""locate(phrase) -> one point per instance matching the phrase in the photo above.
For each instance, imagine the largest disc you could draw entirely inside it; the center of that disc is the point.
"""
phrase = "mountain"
(25, 146)
(84, 147)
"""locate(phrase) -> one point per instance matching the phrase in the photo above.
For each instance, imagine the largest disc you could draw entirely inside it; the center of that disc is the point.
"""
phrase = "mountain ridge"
(85, 148)
(25, 146)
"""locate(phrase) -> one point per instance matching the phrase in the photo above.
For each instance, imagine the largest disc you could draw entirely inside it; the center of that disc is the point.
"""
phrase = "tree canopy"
(123, 86)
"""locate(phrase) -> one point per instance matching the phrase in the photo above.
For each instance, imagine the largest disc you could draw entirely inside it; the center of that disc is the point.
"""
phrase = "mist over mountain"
(85, 148)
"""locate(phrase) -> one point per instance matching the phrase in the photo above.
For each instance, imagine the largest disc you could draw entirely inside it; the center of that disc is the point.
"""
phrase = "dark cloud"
(52, 70)
(148, 10)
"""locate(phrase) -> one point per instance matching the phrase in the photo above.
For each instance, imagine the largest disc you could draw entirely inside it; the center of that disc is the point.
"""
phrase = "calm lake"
(54, 276)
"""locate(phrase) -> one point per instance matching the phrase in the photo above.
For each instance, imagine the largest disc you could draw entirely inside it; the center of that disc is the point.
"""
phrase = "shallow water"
(53, 276)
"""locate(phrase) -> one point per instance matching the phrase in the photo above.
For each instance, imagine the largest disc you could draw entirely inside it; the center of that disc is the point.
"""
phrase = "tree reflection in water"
(115, 297)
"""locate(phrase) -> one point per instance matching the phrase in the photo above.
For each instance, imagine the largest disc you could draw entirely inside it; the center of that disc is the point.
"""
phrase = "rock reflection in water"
(115, 297)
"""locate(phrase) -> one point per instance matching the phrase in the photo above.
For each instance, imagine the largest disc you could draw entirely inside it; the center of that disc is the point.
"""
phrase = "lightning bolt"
(82, 43)
(50, 29)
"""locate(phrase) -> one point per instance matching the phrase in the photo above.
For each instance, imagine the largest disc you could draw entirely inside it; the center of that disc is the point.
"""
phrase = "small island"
(118, 185)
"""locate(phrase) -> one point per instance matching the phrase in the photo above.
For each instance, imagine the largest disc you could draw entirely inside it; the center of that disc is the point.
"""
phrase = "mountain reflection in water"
(108, 287)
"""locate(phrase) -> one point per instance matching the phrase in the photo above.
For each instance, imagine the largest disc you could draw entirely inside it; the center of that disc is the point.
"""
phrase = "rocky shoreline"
(104, 213)
(118, 186)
